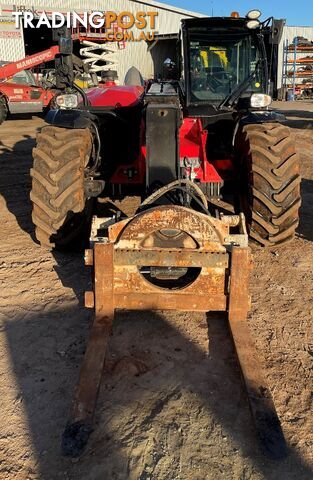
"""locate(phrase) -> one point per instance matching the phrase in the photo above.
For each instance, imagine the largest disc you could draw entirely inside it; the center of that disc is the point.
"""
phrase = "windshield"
(220, 63)
(25, 77)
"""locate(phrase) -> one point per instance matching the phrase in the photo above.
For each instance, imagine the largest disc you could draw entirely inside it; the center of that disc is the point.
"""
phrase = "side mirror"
(65, 45)
(63, 37)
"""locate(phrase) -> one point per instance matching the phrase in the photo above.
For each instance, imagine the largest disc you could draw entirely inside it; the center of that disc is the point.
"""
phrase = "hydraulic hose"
(83, 94)
(172, 186)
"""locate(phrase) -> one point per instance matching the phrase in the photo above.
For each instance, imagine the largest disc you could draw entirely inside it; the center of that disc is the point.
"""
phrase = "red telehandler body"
(19, 91)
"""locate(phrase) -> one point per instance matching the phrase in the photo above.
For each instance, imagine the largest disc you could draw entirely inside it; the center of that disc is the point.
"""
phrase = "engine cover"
(162, 125)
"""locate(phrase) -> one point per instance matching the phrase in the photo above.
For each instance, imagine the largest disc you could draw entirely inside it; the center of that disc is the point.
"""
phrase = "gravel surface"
(171, 404)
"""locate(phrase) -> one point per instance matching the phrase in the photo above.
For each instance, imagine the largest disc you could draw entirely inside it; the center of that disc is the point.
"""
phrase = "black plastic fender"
(262, 117)
(70, 118)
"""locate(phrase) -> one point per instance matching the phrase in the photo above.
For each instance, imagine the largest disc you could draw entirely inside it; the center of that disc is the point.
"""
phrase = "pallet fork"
(167, 238)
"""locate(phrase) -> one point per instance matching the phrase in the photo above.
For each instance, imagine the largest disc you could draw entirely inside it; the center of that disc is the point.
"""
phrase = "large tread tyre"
(270, 183)
(3, 110)
(60, 209)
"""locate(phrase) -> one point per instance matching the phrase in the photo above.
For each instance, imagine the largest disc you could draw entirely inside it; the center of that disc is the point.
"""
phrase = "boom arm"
(29, 62)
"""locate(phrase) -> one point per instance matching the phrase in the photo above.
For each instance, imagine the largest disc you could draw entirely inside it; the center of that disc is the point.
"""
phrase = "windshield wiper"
(240, 89)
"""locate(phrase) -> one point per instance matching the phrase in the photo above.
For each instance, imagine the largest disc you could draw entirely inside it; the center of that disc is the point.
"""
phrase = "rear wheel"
(61, 211)
(270, 183)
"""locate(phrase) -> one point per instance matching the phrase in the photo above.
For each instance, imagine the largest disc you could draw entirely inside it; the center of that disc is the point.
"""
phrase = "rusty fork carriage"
(170, 258)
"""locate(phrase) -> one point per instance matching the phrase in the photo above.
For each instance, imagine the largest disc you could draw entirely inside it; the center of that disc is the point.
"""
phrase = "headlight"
(69, 100)
(252, 24)
(258, 100)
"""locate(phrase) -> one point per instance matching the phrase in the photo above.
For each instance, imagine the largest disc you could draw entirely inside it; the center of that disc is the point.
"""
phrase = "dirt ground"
(171, 404)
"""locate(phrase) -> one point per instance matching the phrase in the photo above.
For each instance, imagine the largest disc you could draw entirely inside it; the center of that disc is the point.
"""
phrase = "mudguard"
(70, 118)
(262, 117)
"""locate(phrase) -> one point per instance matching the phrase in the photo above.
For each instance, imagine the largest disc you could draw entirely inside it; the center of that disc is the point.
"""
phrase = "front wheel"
(270, 183)
(61, 211)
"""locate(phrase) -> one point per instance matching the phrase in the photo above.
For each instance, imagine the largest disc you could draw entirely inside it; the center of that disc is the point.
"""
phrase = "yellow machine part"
(84, 81)
(221, 53)
(81, 81)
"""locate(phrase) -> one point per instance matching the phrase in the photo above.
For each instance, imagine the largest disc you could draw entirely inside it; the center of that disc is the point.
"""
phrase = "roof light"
(253, 14)
(234, 14)
(252, 24)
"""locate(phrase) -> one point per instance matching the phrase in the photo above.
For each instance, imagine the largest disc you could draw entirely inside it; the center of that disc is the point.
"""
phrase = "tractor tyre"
(270, 183)
(61, 212)
(3, 110)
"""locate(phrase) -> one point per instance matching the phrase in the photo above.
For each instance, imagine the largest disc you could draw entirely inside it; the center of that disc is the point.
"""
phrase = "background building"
(148, 58)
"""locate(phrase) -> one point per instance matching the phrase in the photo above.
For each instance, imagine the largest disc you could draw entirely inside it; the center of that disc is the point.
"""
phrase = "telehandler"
(179, 146)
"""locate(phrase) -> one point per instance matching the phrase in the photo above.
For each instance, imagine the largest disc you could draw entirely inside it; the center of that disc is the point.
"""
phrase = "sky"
(296, 13)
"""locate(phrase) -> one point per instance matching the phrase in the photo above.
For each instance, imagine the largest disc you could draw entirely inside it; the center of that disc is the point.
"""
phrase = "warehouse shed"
(146, 56)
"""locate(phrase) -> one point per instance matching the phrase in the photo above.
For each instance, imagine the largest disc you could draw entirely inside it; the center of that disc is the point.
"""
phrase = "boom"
(31, 61)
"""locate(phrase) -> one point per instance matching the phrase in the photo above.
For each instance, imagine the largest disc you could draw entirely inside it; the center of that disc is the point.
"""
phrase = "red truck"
(19, 91)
